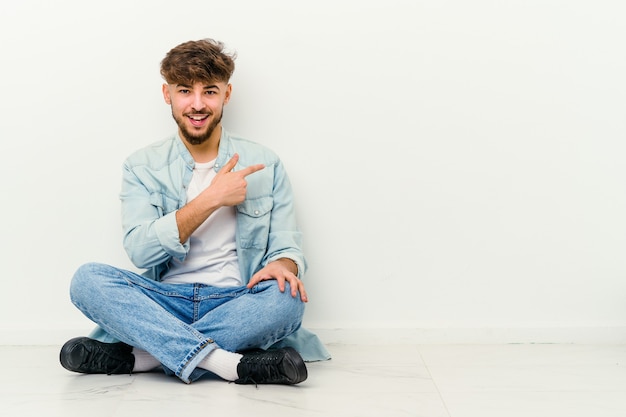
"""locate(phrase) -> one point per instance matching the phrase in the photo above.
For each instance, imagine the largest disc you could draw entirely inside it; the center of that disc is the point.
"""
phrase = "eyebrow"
(205, 87)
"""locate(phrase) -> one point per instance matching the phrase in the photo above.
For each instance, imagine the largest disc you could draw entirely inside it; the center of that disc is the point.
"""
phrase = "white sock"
(144, 361)
(222, 363)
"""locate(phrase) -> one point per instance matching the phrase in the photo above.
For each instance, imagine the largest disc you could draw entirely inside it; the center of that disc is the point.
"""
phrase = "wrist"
(290, 264)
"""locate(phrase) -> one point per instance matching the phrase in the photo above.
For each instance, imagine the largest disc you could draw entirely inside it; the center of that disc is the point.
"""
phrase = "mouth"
(198, 120)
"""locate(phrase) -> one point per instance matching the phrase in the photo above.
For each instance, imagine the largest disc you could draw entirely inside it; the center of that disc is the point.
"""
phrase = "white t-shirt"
(212, 256)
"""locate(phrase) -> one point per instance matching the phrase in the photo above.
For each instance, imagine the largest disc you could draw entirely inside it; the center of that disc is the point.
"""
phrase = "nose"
(198, 103)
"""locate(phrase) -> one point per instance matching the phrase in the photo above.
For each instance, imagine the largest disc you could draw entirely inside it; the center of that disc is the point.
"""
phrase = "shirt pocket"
(253, 222)
(162, 203)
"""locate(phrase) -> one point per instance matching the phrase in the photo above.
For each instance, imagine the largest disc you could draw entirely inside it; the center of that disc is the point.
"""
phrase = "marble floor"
(533, 380)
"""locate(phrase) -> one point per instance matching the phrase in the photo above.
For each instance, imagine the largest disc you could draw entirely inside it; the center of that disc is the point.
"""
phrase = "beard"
(197, 138)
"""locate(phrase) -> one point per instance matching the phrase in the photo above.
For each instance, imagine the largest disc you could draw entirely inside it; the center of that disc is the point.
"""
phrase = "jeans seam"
(193, 358)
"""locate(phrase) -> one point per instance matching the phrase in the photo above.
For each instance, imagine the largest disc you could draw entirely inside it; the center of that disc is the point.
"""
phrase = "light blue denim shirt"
(154, 187)
(155, 181)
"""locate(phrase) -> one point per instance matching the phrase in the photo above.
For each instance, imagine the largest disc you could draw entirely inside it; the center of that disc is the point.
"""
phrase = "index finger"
(251, 169)
(228, 166)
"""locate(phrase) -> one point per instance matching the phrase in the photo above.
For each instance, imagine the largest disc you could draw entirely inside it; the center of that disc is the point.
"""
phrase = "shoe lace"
(107, 361)
(262, 368)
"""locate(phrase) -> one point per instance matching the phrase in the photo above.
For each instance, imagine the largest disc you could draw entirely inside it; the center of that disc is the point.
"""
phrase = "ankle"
(222, 363)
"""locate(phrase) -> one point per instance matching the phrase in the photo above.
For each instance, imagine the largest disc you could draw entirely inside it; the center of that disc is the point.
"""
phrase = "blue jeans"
(180, 324)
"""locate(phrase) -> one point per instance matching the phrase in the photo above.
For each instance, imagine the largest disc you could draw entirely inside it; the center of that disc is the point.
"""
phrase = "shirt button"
(256, 212)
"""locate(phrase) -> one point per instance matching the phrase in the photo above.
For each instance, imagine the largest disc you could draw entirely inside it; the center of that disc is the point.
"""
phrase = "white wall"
(457, 164)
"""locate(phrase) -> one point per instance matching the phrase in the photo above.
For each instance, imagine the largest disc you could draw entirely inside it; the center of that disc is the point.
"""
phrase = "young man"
(210, 216)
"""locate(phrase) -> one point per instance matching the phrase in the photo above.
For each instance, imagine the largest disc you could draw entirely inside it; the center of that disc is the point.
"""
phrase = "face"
(197, 108)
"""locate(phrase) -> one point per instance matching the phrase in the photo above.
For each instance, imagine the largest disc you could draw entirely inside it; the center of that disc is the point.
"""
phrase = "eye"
(210, 92)
(183, 91)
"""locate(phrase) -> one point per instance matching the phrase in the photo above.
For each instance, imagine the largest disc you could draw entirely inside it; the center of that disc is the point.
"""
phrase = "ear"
(229, 90)
(166, 94)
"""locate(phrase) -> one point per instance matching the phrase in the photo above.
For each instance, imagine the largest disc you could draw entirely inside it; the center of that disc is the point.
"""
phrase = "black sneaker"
(280, 366)
(90, 356)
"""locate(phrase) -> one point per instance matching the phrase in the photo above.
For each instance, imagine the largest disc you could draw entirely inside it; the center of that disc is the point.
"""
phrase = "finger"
(252, 282)
(228, 166)
(281, 283)
(251, 169)
(256, 278)
(297, 286)
(303, 295)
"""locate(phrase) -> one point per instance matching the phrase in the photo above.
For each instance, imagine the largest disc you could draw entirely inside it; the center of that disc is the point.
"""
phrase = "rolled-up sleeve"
(149, 224)
(285, 238)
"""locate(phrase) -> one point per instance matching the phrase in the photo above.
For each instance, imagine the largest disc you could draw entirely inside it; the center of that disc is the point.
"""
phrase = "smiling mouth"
(197, 119)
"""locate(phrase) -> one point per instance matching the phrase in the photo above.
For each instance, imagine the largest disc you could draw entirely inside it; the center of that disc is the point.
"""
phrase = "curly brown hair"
(204, 60)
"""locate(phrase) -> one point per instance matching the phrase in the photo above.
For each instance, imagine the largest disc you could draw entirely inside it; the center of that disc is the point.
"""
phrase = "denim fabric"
(154, 183)
(179, 324)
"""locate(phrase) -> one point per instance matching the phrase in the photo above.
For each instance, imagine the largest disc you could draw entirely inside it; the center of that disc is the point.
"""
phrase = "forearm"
(193, 214)
(228, 188)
